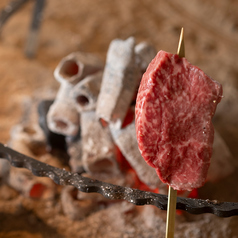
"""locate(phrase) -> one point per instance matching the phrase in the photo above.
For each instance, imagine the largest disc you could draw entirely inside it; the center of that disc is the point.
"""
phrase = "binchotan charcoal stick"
(85, 93)
(223, 163)
(30, 186)
(144, 53)
(125, 139)
(28, 139)
(77, 66)
(98, 149)
(63, 117)
(53, 140)
(119, 83)
(76, 209)
(75, 153)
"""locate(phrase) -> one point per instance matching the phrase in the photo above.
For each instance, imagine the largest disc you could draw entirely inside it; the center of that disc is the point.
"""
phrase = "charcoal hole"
(82, 100)
(61, 124)
(69, 68)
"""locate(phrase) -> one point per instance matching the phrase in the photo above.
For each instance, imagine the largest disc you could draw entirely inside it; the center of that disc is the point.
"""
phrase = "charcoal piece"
(27, 139)
(120, 81)
(125, 139)
(144, 53)
(76, 209)
(62, 117)
(54, 140)
(85, 93)
(75, 153)
(98, 148)
(223, 163)
(30, 186)
(76, 66)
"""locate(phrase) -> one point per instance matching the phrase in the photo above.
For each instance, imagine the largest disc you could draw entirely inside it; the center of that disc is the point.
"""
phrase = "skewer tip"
(181, 48)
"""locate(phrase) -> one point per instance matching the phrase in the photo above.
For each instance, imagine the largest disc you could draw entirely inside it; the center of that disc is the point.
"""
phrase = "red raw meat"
(175, 104)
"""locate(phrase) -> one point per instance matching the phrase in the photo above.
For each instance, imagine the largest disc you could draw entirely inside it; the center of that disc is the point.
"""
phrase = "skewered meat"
(175, 104)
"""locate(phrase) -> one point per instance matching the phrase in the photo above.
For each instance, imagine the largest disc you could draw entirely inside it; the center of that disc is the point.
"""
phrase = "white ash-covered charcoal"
(74, 208)
(144, 54)
(125, 139)
(85, 93)
(63, 117)
(151, 217)
(77, 66)
(120, 216)
(119, 83)
(53, 140)
(75, 153)
(24, 139)
(98, 149)
(29, 185)
(225, 119)
(27, 139)
(222, 162)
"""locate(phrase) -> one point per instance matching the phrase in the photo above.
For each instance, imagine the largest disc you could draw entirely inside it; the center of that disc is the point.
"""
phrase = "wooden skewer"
(181, 48)
(171, 210)
(172, 198)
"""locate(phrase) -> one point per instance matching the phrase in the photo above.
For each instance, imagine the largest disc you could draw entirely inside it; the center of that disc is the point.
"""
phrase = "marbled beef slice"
(175, 104)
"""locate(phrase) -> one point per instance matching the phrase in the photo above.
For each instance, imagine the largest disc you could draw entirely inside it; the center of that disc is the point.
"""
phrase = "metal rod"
(9, 10)
(32, 39)
(108, 190)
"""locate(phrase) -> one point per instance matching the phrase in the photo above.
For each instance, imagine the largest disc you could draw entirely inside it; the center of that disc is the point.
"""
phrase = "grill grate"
(110, 191)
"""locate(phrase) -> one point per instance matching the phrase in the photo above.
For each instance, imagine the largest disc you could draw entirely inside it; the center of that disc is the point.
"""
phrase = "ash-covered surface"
(211, 37)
